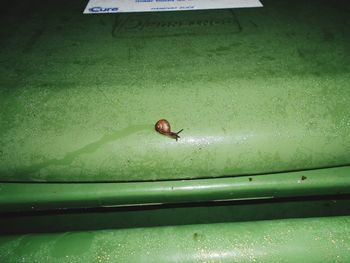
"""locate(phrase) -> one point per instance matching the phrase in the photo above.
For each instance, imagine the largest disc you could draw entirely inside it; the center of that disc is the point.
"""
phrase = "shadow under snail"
(163, 127)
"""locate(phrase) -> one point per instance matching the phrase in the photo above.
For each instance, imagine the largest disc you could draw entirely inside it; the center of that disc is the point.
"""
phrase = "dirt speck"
(197, 236)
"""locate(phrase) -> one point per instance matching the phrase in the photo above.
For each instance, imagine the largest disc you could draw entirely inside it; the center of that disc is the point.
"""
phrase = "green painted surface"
(293, 240)
(58, 221)
(255, 90)
(20, 197)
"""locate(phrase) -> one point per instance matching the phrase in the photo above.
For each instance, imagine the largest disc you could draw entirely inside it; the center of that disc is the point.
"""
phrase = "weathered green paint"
(293, 240)
(255, 90)
(20, 197)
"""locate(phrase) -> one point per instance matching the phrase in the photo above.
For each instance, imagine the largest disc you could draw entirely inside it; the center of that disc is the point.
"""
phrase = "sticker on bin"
(124, 6)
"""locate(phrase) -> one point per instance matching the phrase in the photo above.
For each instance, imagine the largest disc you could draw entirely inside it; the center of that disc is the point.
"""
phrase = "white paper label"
(123, 6)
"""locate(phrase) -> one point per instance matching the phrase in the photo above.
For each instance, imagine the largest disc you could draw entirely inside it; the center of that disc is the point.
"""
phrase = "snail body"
(163, 127)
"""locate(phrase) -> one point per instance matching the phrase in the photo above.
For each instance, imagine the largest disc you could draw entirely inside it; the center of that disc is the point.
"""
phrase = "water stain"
(102, 22)
(253, 23)
(32, 40)
(224, 49)
(301, 53)
(31, 243)
(89, 148)
(327, 36)
(290, 34)
(269, 58)
(73, 244)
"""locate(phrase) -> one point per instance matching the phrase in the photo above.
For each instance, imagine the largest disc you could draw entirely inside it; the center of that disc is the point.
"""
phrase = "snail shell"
(163, 127)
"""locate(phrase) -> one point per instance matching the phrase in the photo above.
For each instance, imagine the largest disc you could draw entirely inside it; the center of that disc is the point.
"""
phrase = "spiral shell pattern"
(163, 126)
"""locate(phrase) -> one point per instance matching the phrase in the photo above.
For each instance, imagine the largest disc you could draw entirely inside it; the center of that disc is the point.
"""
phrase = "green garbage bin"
(260, 172)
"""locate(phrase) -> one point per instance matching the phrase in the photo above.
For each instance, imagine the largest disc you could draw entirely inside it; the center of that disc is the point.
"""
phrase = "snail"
(163, 127)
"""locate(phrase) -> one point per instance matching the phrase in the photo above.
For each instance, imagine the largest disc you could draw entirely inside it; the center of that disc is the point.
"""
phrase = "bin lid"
(255, 91)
